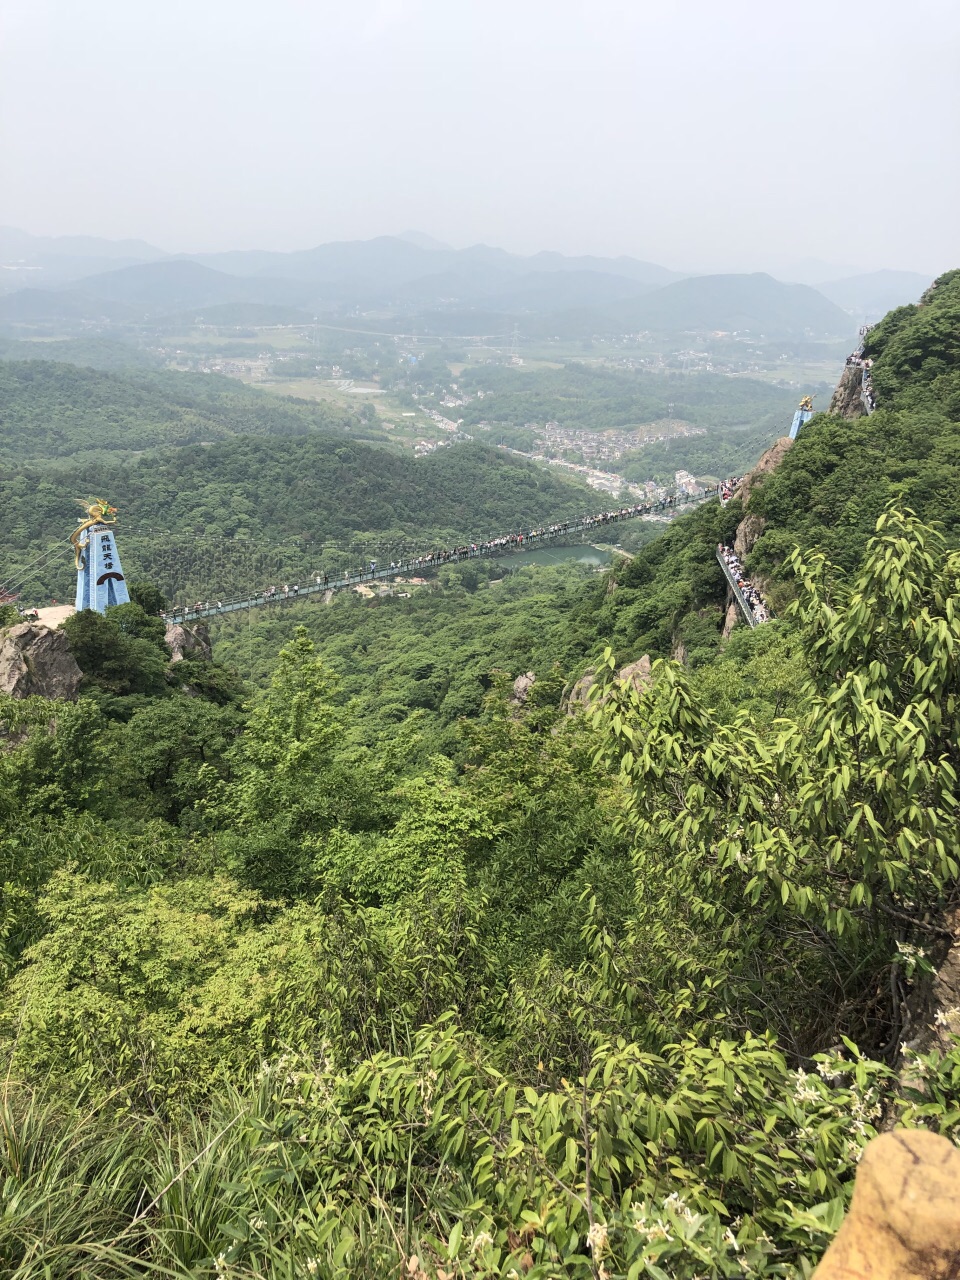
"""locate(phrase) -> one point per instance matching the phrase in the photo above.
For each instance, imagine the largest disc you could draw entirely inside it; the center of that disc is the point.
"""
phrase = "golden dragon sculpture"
(98, 511)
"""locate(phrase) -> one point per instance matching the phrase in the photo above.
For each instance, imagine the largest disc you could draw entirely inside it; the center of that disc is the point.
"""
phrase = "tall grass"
(69, 1183)
(87, 1194)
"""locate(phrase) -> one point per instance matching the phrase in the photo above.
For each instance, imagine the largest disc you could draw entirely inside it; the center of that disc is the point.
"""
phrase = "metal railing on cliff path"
(738, 595)
(867, 397)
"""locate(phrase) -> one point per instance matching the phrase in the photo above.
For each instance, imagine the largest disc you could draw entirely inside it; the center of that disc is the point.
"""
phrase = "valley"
(479, 641)
(504, 824)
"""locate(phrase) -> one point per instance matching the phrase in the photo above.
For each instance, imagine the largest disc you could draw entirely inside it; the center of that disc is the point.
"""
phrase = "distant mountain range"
(873, 295)
(53, 261)
(414, 283)
(756, 303)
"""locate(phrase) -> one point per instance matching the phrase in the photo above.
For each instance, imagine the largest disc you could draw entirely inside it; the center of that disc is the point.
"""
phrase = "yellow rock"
(904, 1220)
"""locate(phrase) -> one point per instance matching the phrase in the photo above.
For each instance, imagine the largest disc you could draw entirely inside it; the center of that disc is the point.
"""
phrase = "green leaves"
(842, 817)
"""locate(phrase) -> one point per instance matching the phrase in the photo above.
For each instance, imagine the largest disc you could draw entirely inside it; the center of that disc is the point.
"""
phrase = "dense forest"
(94, 351)
(243, 512)
(586, 397)
(326, 977)
(431, 655)
(55, 410)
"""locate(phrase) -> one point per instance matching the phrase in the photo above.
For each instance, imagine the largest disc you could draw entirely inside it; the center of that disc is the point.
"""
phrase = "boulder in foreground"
(35, 661)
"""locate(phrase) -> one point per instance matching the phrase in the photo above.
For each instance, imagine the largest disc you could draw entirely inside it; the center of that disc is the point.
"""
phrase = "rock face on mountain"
(731, 617)
(634, 673)
(748, 531)
(521, 688)
(188, 642)
(769, 461)
(847, 401)
(36, 661)
(931, 1014)
(904, 1219)
(637, 673)
(752, 525)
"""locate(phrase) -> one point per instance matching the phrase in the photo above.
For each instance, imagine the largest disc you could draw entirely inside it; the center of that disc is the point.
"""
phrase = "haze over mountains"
(428, 286)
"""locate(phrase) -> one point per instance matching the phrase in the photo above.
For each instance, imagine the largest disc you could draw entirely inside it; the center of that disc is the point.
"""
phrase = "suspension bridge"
(101, 582)
(505, 545)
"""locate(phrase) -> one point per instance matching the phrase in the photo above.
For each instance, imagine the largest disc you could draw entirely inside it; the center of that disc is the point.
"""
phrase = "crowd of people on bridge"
(857, 360)
(749, 593)
(436, 559)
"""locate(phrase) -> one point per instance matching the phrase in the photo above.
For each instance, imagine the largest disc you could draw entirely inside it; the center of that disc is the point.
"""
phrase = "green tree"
(149, 597)
(822, 845)
(289, 782)
(120, 652)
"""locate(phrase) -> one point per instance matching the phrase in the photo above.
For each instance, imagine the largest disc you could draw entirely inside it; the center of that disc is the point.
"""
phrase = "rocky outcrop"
(847, 401)
(188, 642)
(636, 674)
(748, 533)
(731, 617)
(930, 1015)
(769, 461)
(577, 696)
(35, 661)
(521, 688)
(752, 525)
(904, 1219)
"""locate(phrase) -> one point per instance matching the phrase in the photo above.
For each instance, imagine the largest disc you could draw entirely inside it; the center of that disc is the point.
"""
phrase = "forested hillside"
(435, 655)
(333, 979)
(835, 481)
(214, 520)
(93, 351)
(826, 494)
(584, 397)
(51, 410)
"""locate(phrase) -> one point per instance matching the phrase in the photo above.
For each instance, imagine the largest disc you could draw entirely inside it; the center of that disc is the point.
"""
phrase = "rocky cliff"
(188, 642)
(769, 461)
(635, 674)
(36, 661)
(847, 401)
(752, 525)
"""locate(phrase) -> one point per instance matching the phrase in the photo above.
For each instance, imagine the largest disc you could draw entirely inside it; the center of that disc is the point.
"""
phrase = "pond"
(595, 557)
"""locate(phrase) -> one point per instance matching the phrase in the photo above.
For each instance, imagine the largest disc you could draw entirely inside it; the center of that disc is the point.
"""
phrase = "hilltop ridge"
(412, 279)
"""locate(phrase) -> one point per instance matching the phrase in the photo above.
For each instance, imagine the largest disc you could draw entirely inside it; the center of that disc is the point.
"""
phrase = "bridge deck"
(738, 594)
(507, 545)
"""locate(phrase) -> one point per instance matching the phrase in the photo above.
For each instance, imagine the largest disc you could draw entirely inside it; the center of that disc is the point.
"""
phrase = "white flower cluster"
(662, 1223)
(674, 1204)
(482, 1240)
(426, 1085)
(278, 1069)
(597, 1239)
(802, 1091)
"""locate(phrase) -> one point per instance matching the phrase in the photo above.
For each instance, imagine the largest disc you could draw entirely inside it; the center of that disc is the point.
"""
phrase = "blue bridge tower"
(803, 414)
(100, 580)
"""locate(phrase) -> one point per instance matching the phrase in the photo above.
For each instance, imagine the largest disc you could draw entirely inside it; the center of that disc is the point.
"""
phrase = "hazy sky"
(703, 135)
